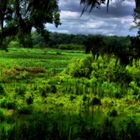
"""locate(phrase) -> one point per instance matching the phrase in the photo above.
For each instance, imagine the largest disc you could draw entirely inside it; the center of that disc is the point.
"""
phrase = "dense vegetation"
(63, 93)
(19, 17)
(46, 95)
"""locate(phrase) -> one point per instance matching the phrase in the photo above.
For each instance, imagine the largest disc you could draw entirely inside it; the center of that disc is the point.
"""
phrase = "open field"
(46, 95)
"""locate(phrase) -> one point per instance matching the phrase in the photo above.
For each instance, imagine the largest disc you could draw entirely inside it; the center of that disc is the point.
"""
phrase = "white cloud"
(116, 22)
(69, 14)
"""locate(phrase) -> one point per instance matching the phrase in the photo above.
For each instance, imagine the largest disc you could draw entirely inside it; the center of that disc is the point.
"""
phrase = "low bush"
(80, 67)
(14, 44)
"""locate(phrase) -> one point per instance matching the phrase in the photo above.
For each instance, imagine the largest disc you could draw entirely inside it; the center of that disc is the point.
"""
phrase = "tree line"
(19, 17)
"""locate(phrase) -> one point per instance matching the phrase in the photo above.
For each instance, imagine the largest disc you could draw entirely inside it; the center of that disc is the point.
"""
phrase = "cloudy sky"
(117, 21)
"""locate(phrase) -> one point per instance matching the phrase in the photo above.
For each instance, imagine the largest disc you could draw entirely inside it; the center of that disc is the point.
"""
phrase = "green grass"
(47, 58)
(52, 94)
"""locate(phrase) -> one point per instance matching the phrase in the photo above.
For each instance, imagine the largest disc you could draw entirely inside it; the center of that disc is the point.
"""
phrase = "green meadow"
(52, 94)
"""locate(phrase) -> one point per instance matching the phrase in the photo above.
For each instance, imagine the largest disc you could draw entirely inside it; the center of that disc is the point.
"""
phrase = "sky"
(118, 21)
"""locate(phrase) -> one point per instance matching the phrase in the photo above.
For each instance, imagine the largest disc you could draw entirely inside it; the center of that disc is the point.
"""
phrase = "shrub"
(134, 89)
(14, 44)
(80, 67)
(108, 69)
(111, 89)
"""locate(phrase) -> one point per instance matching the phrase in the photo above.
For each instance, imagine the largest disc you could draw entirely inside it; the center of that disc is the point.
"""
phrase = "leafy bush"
(111, 89)
(109, 69)
(102, 68)
(80, 67)
(14, 44)
(133, 89)
(134, 72)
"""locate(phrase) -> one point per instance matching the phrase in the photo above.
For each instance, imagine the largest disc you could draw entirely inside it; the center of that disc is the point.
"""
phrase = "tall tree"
(18, 17)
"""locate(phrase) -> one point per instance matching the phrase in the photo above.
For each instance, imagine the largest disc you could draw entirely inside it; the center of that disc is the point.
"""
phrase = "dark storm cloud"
(115, 22)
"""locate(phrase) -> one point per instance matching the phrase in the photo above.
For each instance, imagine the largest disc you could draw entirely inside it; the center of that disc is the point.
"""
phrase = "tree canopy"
(20, 16)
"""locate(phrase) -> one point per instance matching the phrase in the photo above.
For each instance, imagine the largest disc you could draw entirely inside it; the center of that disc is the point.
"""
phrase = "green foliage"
(14, 44)
(20, 90)
(80, 67)
(20, 16)
(56, 39)
(112, 89)
(102, 102)
(7, 103)
(70, 47)
(2, 91)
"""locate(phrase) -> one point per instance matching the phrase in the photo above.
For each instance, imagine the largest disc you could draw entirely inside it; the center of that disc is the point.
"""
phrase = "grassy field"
(51, 94)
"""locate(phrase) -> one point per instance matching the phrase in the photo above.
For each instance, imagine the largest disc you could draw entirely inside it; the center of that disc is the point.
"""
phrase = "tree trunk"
(25, 39)
(137, 4)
